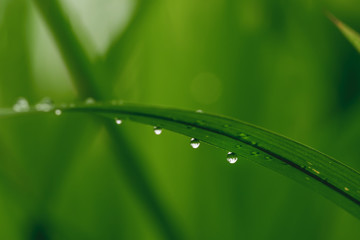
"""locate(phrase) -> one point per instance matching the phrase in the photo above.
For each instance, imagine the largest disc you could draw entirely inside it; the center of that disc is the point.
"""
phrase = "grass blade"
(349, 33)
(87, 82)
(124, 42)
(325, 175)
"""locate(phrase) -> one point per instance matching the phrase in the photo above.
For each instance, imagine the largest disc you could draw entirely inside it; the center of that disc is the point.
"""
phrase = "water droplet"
(199, 111)
(316, 171)
(118, 121)
(117, 102)
(243, 136)
(255, 153)
(90, 100)
(231, 157)
(195, 143)
(346, 189)
(22, 105)
(58, 112)
(157, 130)
(45, 105)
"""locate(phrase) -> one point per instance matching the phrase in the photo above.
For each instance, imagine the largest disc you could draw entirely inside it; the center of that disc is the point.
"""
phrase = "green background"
(281, 65)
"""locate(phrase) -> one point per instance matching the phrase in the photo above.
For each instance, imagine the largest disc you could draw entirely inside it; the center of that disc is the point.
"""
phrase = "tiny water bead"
(255, 154)
(45, 105)
(231, 157)
(118, 121)
(243, 136)
(89, 100)
(157, 130)
(22, 105)
(199, 111)
(195, 143)
(58, 112)
(346, 189)
(117, 102)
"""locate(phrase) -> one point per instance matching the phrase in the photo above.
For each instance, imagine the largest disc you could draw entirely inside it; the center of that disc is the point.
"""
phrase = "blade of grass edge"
(85, 79)
(325, 175)
(349, 33)
(123, 45)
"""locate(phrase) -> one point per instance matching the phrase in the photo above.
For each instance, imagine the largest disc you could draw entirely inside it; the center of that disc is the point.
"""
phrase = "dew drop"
(199, 111)
(45, 105)
(255, 153)
(195, 143)
(22, 105)
(89, 100)
(118, 121)
(244, 136)
(346, 189)
(58, 112)
(157, 130)
(231, 157)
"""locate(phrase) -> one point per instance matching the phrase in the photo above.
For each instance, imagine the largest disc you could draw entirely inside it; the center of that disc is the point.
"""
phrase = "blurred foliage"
(277, 64)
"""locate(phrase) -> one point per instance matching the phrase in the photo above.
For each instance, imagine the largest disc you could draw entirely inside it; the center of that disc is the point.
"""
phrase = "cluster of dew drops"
(47, 105)
(194, 143)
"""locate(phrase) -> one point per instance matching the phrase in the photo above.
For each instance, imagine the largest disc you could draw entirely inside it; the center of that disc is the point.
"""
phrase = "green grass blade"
(73, 53)
(124, 43)
(87, 81)
(349, 33)
(325, 175)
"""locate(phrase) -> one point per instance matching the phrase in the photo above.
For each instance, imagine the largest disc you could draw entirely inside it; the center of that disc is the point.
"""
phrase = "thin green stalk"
(86, 80)
(349, 33)
(123, 44)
